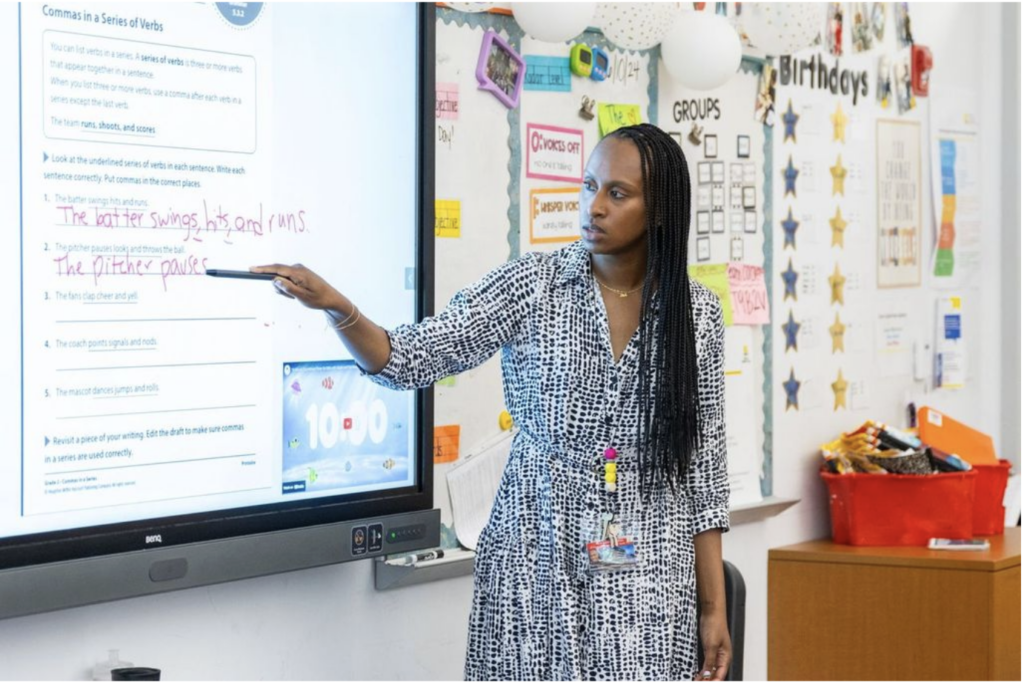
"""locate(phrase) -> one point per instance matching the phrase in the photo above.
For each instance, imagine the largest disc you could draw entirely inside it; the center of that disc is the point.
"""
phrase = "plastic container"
(876, 510)
(989, 491)
(101, 671)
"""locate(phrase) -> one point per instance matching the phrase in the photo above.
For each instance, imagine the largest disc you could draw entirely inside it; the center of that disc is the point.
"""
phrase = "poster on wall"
(899, 204)
(950, 348)
(956, 187)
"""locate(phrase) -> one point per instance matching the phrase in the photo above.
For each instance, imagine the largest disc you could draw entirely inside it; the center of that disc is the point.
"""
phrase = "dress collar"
(574, 263)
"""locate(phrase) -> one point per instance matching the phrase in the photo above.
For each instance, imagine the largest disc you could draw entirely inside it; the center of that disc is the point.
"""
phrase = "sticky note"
(448, 382)
(748, 294)
(447, 218)
(447, 101)
(446, 443)
(611, 117)
(715, 276)
(547, 74)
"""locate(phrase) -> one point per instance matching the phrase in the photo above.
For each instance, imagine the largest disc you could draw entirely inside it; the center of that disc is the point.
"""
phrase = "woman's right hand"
(308, 288)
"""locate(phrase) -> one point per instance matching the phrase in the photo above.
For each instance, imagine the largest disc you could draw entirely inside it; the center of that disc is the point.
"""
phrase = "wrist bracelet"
(335, 321)
(354, 317)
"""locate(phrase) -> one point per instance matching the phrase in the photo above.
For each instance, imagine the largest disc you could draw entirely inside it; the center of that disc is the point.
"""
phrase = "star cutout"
(790, 174)
(836, 281)
(790, 329)
(789, 279)
(839, 121)
(839, 388)
(789, 119)
(838, 177)
(792, 386)
(838, 227)
(836, 331)
(789, 226)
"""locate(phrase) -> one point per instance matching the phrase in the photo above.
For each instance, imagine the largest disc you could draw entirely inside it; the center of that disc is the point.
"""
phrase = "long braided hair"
(668, 432)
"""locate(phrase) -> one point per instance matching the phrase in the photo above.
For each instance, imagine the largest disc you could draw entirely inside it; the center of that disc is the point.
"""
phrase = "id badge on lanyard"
(610, 543)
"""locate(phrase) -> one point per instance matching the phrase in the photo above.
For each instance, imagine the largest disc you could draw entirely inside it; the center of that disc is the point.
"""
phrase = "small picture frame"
(718, 171)
(711, 146)
(703, 172)
(703, 249)
(736, 249)
(736, 221)
(736, 196)
(678, 137)
(703, 222)
(749, 197)
(703, 196)
(736, 172)
(718, 222)
(750, 222)
(743, 146)
(500, 69)
(717, 197)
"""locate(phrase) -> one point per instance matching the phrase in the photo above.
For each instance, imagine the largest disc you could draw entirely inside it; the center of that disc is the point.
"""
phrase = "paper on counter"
(472, 487)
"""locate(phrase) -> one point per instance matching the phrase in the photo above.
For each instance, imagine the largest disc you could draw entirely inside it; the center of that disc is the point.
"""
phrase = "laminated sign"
(554, 153)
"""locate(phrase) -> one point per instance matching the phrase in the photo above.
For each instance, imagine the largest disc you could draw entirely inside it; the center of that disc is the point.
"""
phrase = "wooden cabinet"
(837, 612)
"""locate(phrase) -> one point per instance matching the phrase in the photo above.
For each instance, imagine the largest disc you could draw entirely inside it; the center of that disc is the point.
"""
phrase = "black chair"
(735, 617)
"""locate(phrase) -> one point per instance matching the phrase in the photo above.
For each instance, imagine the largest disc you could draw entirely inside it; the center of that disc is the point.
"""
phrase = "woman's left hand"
(714, 635)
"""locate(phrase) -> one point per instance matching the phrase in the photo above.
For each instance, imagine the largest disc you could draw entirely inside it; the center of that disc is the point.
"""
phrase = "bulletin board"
(724, 145)
(858, 195)
(815, 179)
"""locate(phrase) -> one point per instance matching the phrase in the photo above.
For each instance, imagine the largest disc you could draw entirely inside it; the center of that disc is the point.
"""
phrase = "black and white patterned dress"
(537, 611)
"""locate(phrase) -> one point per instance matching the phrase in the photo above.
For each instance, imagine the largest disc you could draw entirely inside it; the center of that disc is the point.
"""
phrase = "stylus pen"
(241, 274)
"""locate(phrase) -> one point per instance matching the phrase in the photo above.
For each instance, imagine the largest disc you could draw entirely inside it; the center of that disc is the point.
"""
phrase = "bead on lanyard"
(610, 469)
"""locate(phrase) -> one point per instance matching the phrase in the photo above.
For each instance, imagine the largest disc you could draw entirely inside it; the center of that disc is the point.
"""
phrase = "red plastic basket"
(989, 512)
(892, 509)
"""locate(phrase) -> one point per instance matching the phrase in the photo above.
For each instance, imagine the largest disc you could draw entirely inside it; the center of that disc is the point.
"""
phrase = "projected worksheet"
(160, 141)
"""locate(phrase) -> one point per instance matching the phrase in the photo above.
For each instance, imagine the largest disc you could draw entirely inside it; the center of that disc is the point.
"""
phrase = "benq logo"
(150, 539)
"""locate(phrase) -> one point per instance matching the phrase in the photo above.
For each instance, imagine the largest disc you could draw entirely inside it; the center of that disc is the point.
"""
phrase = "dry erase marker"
(241, 274)
(425, 556)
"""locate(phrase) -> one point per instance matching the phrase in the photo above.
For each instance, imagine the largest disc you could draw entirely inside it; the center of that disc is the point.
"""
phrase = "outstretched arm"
(366, 341)
(474, 325)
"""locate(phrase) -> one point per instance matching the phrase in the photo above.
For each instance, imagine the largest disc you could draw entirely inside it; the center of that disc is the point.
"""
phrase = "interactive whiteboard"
(157, 141)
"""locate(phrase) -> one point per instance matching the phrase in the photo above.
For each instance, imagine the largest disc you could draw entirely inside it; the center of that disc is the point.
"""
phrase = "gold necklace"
(620, 292)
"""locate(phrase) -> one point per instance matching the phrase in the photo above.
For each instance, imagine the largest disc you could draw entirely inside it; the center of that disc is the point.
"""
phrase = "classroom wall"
(1010, 244)
(329, 623)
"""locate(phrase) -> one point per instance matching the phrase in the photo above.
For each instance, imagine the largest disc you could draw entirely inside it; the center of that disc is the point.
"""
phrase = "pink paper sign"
(447, 106)
(748, 293)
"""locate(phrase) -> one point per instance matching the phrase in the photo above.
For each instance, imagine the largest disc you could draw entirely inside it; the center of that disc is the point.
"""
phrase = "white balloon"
(554, 22)
(470, 7)
(783, 27)
(636, 25)
(701, 51)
